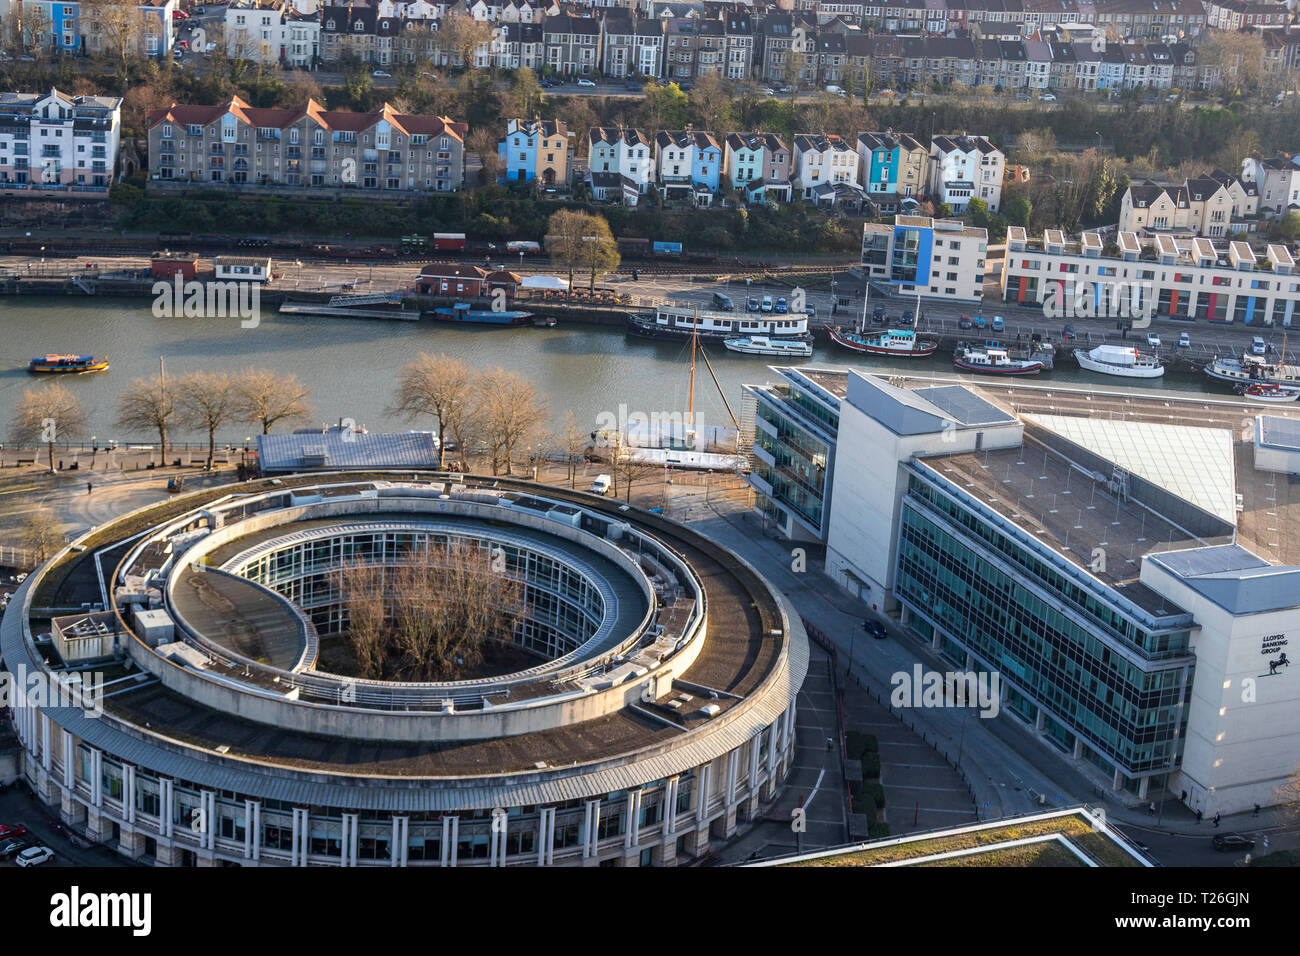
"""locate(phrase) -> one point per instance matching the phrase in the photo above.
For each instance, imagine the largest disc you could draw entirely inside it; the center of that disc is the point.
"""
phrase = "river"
(351, 364)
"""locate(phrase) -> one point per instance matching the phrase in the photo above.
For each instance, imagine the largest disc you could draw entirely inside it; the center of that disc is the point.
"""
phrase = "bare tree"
(42, 534)
(628, 468)
(207, 401)
(482, 141)
(120, 27)
(461, 36)
(267, 398)
(437, 386)
(149, 405)
(513, 413)
(573, 443)
(361, 589)
(47, 414)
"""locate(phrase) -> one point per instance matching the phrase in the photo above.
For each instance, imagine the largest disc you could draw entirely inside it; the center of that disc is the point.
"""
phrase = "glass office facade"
(1070, 651)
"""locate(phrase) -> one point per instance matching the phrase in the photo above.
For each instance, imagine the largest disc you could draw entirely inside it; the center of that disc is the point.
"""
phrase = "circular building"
(184, 698)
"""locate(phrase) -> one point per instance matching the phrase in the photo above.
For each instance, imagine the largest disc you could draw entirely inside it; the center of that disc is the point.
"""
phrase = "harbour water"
(351, 364)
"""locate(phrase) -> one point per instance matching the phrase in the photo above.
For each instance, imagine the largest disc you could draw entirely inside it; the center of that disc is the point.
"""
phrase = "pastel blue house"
(689, 162)
(534, 150)
(892, 163)
(58, 27)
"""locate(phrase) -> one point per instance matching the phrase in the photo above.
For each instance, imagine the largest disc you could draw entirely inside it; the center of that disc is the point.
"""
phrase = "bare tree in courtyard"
(149, 405)
(628, 468)
(361, 587)
(47, 414)
(573, 444)
(42, 534)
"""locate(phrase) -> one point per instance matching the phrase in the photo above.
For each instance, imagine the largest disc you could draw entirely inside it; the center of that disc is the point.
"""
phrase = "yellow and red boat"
(67, 363)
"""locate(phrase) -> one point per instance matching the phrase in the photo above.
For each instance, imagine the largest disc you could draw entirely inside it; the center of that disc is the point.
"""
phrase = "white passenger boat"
(1122, 360)
(766, 345)
(993, 361)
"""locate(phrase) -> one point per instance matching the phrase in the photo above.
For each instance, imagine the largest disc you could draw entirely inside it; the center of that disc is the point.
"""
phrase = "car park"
(1227, 842)
(34, 856)
(1153, 340)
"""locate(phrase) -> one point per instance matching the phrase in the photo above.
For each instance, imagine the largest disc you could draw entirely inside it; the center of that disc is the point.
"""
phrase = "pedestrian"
(1151, 808)
(1217, 816)
(1265, 841)
(830, 744)
(88, 487)
(1257, 809)
(1199, 815)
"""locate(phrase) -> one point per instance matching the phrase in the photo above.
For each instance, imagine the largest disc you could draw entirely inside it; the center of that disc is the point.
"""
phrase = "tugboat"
(900, 343)
(67, 364)
(1268, 392)
(993, 361)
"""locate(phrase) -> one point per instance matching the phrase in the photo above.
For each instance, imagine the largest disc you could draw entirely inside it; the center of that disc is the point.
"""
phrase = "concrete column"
(755, 753)
(301, 838)
(546, 837)
(733, 761)
(397, 843)
(69, 761)
(46, 734)
(704, 776)
(1143, 785)
(131, 845)
(167, 855)
(497, 840)
(350, 841)
(1040, 722)
(773, 778)
(670, 807)
(1078, 748)
(128, 792)
(450, 840)
(207, 819)
(1118, 783)
(96, 777)
(166, 806)
(252, 828)
(591, 830)
(631, 837)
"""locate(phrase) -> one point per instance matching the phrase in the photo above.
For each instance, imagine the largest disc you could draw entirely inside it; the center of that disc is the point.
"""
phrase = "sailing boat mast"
(690, 402)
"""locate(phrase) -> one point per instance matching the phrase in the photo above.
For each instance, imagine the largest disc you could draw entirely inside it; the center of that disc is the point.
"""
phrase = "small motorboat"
(1268, 392)
(767, 345)
(993, 361)
(67, 364)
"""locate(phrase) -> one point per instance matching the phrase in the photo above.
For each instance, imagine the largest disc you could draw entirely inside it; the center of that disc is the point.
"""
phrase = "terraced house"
(308, 146)
(572, 44)
(690, 163)
(535, 150)
(75, 27)
(759, 164)
(56, 143)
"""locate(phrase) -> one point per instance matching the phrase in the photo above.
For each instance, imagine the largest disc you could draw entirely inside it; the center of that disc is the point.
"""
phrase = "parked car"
(34, 856)
(546, 84)
(908, 317)
(886, 93)
(836, 90)
(767, 303)
(1225, 842)
(381, 75)
(10, 830)
(980, 322)
(601, 485)
(10, 848)
(965, 323)
(998, 324)
(686, 87)
(1153, 340)
(786, 89)
(782, 306)
(1257, 346)
(768, 91)
(875, 629)
(1048, 97)
(583, 81)
(1184, 341)
(810, 311)
(723, 302)
(878, 316)
(633, 86)
(752, 305)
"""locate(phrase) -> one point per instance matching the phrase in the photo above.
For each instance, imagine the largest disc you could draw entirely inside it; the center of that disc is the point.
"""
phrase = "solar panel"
(1280, 432)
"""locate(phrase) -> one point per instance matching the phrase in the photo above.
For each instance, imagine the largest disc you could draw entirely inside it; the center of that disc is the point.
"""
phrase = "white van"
(601, 485)
(836, 90)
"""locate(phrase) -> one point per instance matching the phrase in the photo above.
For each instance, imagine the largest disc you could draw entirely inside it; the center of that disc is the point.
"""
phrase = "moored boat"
(463, 312)
(993, 361)
(52, 363)
(1268, 392)
(765, 345)
(674, 322)
(901, 343)
(1122, 360)
(1252, 369)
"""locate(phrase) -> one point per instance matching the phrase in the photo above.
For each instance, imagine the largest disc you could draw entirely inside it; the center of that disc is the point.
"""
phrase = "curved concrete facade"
(639, 748)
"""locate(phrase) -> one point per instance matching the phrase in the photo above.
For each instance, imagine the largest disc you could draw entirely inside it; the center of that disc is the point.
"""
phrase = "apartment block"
(58, 144)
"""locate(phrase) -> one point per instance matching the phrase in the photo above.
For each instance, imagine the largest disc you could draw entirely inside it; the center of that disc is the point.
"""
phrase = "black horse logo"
(1280, 662)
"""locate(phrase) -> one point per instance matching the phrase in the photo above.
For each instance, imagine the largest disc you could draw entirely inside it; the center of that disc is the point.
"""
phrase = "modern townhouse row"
(307, 146)
(58, 144)
(272, 31)
(890, 170)
(1214, 205)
